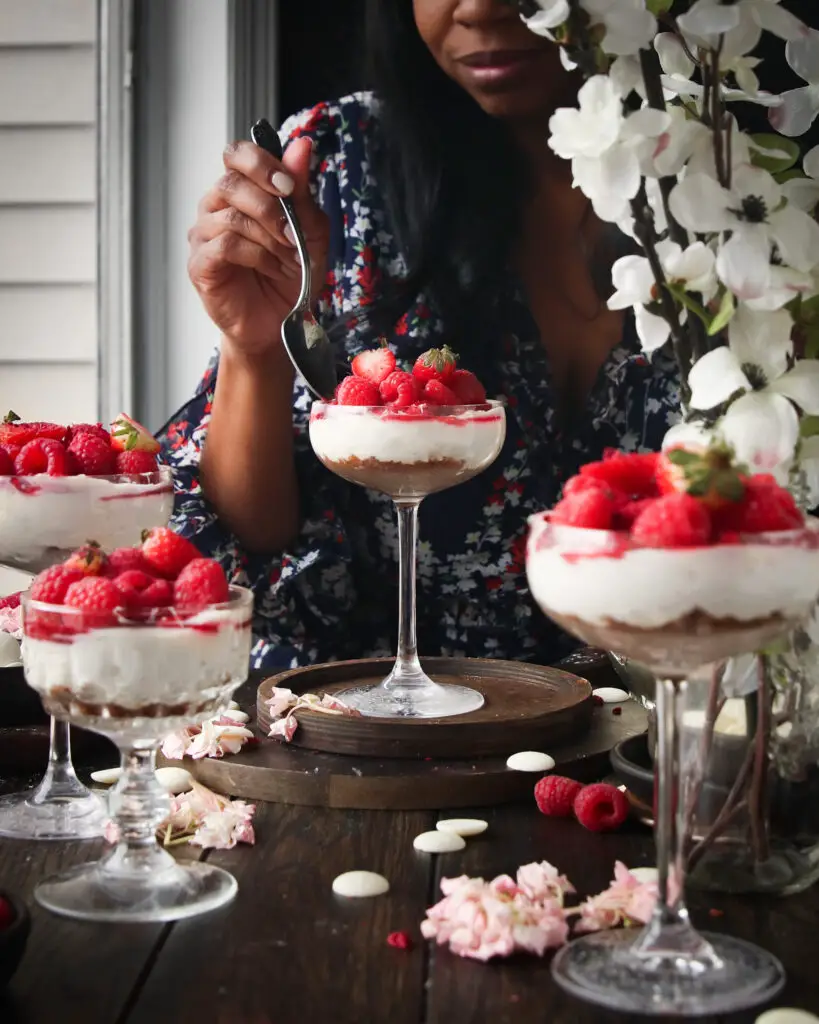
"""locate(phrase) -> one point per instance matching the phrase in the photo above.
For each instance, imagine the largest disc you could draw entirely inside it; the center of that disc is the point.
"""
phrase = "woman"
(434, 214)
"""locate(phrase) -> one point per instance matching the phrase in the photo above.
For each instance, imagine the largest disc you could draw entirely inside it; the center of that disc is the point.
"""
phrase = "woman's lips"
(498, 66)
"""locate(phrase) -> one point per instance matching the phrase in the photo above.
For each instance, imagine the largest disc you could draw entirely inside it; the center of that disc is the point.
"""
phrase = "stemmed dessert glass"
(46, 518)
(676, 612)
(135, 681)
(408, 455)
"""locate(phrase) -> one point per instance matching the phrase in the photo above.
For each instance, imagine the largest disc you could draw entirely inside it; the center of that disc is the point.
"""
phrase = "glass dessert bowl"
(49, 507)
(407, 452)
(676, 583)
(134, 675)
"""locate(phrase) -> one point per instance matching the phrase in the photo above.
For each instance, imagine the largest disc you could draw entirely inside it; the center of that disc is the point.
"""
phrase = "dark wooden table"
(287, 951)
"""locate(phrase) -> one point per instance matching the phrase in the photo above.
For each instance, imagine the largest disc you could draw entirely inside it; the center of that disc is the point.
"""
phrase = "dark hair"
(453, 180)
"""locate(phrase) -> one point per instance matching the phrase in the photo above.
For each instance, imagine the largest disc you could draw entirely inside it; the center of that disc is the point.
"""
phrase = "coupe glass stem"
(60, 780)
(670, 934)
(407, 673)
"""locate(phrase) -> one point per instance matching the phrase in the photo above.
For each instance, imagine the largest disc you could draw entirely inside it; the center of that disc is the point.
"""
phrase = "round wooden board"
(527, 707)
(281, 773)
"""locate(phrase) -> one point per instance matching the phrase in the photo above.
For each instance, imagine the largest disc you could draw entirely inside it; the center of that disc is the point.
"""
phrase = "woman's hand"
(242, 263)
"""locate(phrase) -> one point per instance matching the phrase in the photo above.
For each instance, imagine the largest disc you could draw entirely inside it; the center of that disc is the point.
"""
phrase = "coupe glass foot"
(27, 816)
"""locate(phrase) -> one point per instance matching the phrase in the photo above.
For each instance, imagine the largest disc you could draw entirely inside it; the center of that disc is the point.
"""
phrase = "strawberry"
(7, 915)
(42, 455)
(125, 559)
(97, 429)
(708, 474)
(13, 431)
(467, 387)
(166, 552)
(97, 598)
(357, 391)
(435, 364)
(52, 584)
(600, 807)
(592, 509)
(437, 393)
(141, 591)
(202, 582)
(6, 463)
(374, 365)
(136, 462)
(554, 795)
(629, 472)
(388, 388)
(127, 435)
(766, 507)
(673, 521)
(93, 455)
(90, 560)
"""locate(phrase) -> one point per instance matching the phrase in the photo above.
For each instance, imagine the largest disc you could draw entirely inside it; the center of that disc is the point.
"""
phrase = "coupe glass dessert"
(408, 435)
(60, 486)
(136, 657)
(675, 561)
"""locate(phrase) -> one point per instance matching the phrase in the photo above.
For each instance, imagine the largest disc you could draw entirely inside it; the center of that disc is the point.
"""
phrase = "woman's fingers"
(239, 192)
(210, 258)
(211, 225)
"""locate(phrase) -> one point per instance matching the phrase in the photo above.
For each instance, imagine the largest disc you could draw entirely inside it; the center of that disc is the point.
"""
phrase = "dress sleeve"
(303, 596)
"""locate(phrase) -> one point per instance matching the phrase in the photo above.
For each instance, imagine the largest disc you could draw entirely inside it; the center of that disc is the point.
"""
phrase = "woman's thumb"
(297, 161)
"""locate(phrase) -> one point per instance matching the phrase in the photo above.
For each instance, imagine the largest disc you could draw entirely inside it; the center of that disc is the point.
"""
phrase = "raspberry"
(52, 584)
(374, 365)
(166, 552)
(398, 386)
(6, 463)
(400, 940)
(94, 456)
(136, 462)
(97, 429)
(626, 514)
(90, 560)
(554, 795)
(11, 600)
(632, 473)
(7, 915)
(766, 507)
(591, 509)
(202, 582)
(12, 450)
(467, 387)
(124, 559)
(437, 393)
(436, 364)
(42, 455)
(143, 591)
(673, 521)
(600, 807)
(97, 598)
(357, 391)
(14, 432)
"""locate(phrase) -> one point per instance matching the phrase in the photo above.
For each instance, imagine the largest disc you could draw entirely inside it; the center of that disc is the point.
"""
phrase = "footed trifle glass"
(135, 681)
(43, 519)
(677, 612)
(408, 454)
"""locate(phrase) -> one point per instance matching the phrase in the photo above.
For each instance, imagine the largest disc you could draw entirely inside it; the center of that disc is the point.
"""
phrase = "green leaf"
(777, 153)
(808, 312)
(809, 426)
(659, 6)
(723, 316)
(681, 457)
(690, 303)
(811, 335)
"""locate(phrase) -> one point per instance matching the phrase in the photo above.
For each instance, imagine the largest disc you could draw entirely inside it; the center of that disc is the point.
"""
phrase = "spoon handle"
(267, 138)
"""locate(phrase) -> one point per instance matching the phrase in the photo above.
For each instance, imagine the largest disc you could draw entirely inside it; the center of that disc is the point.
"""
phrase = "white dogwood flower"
(800, 107)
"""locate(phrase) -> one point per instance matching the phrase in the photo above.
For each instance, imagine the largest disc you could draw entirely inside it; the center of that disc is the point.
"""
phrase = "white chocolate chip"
(360, 884)
(175, 780)
(107, 776)
(787, 1015)
(610, 694)
(462, 826)
(438, 842)
(530, 761)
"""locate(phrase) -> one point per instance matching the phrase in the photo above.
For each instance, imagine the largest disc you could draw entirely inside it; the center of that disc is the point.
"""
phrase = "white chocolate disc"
(107, 776)
(530, 761)
(175, 780)
(462, 826)
(787, 1015)
(610, 694)
(438, 842)
(360, 884)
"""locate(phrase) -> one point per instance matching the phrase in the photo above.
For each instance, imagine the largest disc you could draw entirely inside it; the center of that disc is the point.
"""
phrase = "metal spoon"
(305, 340)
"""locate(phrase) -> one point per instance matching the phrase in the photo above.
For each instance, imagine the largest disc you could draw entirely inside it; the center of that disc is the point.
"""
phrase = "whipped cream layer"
(41, 516)
(593, 576)
(134, 667)
(470, 436)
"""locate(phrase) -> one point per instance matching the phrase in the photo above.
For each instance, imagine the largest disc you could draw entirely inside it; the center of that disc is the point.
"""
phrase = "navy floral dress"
(333, 595)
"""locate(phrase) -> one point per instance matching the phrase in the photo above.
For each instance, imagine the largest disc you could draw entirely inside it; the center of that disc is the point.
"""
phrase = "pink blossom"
(280, 700)
(176, 745)
(222, 829)
(11, 622)
(111, 833)
(205, 743)
(543, 882)
(628, 900)
(284, 728)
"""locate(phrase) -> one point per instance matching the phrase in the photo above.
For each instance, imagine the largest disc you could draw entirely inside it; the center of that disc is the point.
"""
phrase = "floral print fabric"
(334, 594)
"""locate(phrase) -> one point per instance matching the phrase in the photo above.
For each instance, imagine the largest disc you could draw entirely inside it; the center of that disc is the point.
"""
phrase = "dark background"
(321, 55)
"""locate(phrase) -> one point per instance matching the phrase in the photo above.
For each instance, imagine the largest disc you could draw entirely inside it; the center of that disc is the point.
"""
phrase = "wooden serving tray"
(527, 707)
